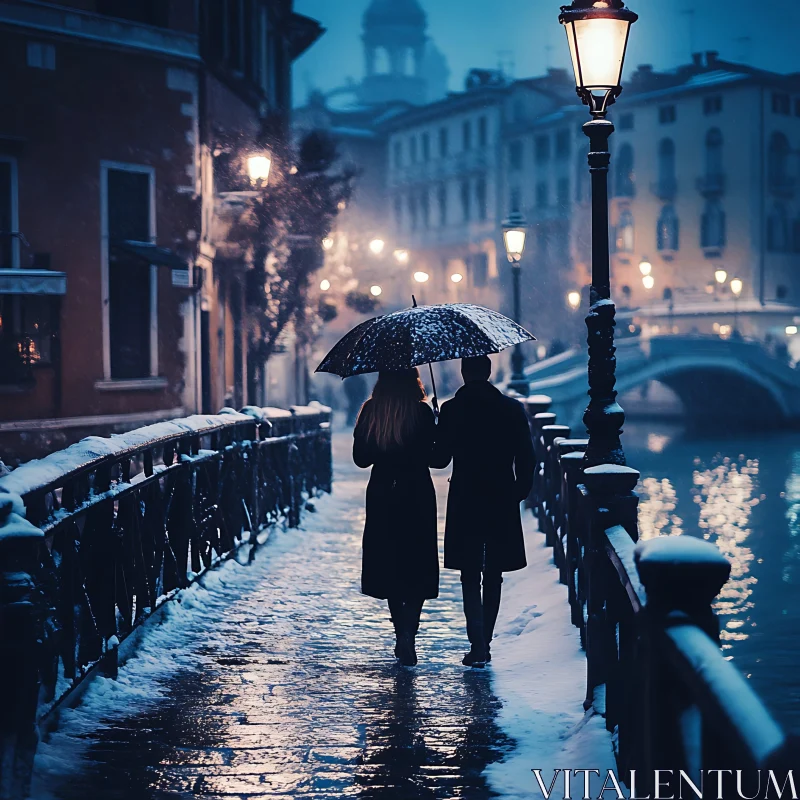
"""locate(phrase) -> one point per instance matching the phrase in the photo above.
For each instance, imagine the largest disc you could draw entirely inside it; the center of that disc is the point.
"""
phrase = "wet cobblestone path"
(283, 684)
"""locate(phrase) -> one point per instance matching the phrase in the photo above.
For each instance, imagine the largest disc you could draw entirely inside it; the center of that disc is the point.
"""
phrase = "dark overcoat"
(400, 547)
(487, 437)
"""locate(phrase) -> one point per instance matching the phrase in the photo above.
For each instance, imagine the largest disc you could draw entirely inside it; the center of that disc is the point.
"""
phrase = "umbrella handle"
(434, 400)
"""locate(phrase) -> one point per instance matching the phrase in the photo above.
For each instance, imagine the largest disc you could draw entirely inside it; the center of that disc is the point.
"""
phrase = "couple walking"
(486, 436)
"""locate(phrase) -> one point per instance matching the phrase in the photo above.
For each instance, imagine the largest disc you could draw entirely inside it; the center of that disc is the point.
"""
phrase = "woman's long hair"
(391, 414)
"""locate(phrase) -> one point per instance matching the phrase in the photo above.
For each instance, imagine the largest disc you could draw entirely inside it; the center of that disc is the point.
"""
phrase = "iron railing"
(96, 537)
(655, 671)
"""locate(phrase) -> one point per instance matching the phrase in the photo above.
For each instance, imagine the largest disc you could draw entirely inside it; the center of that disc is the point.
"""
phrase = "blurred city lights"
(421, 277)
(325, 284)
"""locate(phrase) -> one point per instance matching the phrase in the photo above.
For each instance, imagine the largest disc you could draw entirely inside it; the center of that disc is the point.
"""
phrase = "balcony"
(712, 185)
(664, 188)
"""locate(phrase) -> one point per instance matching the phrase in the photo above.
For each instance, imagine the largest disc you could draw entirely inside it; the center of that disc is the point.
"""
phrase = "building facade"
(116, 296)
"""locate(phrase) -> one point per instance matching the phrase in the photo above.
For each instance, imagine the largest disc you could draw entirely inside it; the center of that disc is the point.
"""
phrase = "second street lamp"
(597, 32)
(515, 230)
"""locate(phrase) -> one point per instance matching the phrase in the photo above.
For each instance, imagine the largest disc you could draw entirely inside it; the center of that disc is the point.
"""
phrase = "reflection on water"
(744, 496)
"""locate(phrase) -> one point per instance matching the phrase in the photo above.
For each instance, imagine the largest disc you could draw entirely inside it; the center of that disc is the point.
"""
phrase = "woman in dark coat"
(394, 435)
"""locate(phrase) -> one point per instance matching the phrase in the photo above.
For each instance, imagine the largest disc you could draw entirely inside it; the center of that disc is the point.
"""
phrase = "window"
(131, 303)
(481, 199)
(778, 161)
(398, 154)
(624, 238)
(668, 230)
(479, 269)
(563, 140)
(466, 205)
(426, 147)
(483, 132)
(412, 211)
(27, 325)
(425, 207)
(41, 55)
(515, 200)
(542, 149)
(712, 105)
(444, 142)
(625, 180)
(781, 103)
(466, 135)
(515, 155)
(441, 197)
(412, 149)
(563, 192)
(712, 226)
(541, 195)
(626, 122)
(714, 153)
(778, 229)
(666, 169)
(667, 115)
(9, 245)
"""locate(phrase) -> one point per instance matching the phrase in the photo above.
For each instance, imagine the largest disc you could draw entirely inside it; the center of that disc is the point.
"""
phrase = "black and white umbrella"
(422, 335)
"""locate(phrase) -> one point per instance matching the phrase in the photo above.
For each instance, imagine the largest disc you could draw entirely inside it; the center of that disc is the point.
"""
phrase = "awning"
(149, 253)
(32, 281)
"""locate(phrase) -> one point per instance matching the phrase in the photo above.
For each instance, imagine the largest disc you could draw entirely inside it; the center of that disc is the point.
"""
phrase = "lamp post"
(515, 230)
(736, 288)
(597, 33)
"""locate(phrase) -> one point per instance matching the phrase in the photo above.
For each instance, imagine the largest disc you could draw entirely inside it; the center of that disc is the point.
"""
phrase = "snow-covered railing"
(655, 670)
(95, 537)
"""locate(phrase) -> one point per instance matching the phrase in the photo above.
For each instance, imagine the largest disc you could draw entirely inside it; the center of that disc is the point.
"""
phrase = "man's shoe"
(475, 658)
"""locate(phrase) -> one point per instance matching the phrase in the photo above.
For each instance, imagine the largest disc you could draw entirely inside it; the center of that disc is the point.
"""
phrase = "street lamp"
(324, 284)
(720, 276)
(645, 267)
(515, 230)
(401, 256)
(421, 277)
(375, 291)
(327, 243)
(456, 277)
(648, 281)
(736, 288)
(574, 300)
(376, 246)
(597, 32)
(258, 168)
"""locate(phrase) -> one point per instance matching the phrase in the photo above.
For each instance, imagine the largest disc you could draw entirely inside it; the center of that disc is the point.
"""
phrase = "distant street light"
(375, 291)
(720, 276)
(645, 267)
(791, 330)
(327, 243)
(258, 167)
(456, 277)
(324, 285)
(376, 246)
(421, 277)
(736, 286)
(597, 33)
(648, 281)
(401, 256)
(515, 230)
(574, 300)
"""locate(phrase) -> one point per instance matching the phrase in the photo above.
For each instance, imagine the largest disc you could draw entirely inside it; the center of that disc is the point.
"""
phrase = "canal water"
(742, 493)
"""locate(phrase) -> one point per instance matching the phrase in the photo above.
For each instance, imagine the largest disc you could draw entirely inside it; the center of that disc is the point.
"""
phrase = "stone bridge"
(717, 380)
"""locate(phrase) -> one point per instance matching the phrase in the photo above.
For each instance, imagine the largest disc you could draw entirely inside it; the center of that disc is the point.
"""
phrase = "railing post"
(22, 614)
(568, 479)
(608, 501)
(682, 577)
(534, 405)
(539, 454)
(552, 482)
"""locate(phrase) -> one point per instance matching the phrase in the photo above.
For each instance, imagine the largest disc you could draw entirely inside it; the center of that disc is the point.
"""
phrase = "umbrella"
(422, 335)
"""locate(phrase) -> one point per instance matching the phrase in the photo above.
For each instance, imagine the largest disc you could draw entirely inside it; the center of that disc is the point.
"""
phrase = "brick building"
(120, 302)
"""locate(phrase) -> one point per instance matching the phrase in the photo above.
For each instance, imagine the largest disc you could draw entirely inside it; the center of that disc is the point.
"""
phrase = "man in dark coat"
(488, 439)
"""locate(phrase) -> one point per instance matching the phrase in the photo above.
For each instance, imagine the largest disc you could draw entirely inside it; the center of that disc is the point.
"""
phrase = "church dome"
(395, 12)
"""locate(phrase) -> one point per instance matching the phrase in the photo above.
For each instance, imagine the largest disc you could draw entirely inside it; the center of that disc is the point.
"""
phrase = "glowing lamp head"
(645, 267)
(376, 246)
(720, 276)
(421, 277)
(327, 243)
(791, 330)
(456, 277)
(324, 285)
(574, 299)
(515, 230)
(401, 256)
(737, 286)
(258, 168)
(375, 291)
(597, 33)
(648, 281)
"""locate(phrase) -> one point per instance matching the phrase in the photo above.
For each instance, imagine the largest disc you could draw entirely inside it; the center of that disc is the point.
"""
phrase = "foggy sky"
(472, 33)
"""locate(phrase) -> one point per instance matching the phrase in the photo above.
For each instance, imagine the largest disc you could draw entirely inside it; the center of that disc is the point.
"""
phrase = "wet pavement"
(283, 684)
